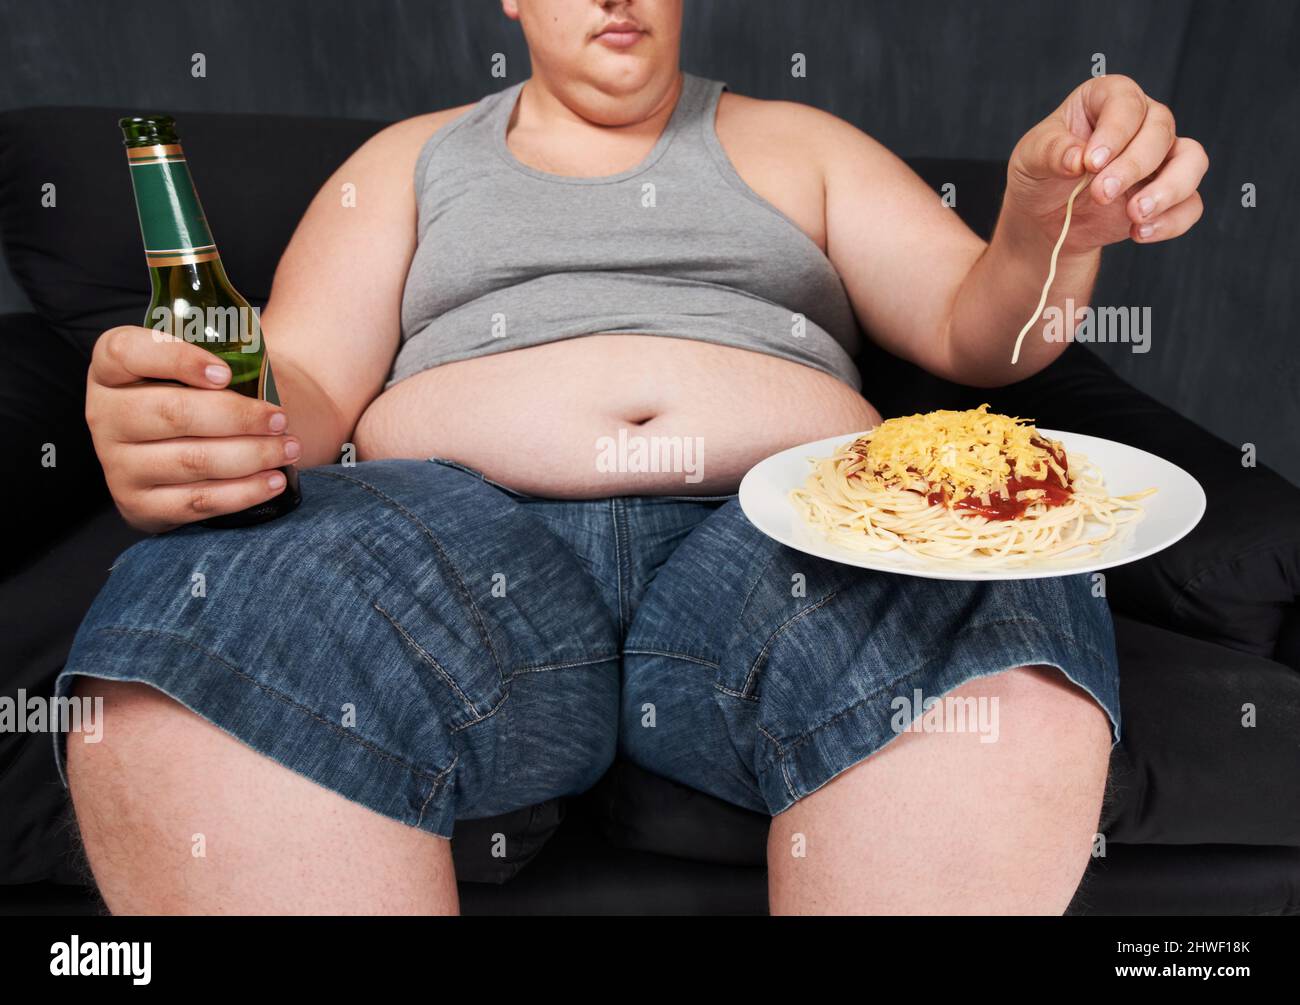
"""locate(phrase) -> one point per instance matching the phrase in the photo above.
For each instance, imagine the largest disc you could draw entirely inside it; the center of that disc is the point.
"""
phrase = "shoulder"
(790, 117)
(387, 161)
(805, 131)
(407, 137)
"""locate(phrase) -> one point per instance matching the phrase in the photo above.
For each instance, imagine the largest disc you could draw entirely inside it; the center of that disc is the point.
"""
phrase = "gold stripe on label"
(181, 251)
(160, 160)
(156, 258)
(154, 152)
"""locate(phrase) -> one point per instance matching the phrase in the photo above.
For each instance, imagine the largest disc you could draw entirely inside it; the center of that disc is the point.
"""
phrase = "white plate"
(1174, 509)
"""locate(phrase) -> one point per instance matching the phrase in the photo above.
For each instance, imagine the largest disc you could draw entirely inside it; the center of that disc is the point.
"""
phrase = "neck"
(545, 102)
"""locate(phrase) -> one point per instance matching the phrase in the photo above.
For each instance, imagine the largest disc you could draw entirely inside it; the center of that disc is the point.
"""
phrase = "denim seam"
(699, 499)
(476, 473)
(744, 603)
(754, 585)
(761, 658)
(483, 716)
(780, 758)
(437, 784)
(457, 578)
(735, 694)
(919, 668)
(546, 667)
(672, 655)
(279, 696)
(620, 554)
(505, 696)
(427, 657)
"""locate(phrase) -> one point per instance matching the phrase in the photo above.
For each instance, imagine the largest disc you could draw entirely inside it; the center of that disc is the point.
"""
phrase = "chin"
(620, 73)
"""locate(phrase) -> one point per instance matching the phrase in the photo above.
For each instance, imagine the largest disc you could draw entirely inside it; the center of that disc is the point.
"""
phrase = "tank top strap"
(697, 105)
(497, 119)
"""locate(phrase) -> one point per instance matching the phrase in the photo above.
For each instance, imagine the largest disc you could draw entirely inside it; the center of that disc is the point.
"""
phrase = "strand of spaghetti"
(1051, 270)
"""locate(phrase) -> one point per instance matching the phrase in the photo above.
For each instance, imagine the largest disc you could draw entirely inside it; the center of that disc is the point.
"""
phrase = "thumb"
(1050, 150)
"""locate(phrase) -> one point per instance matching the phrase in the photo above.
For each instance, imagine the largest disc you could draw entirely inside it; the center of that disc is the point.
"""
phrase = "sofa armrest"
(1235, 579)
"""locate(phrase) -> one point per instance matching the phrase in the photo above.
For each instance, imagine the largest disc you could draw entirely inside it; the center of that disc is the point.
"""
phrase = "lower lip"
(620, 39)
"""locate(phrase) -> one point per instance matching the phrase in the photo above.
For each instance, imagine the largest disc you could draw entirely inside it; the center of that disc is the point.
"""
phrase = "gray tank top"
(679, 246)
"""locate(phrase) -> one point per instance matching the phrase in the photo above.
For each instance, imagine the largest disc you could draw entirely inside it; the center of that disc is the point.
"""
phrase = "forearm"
(999, 295)
(314, 418)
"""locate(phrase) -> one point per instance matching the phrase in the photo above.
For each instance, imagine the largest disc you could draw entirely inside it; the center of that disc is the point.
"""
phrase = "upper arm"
(901, 253)
(335, 308)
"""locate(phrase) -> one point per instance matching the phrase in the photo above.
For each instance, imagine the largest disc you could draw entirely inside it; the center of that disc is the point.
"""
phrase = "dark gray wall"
(960, 78)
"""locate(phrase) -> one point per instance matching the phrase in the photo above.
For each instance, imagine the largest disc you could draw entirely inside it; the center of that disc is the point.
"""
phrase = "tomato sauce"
(1008, 507)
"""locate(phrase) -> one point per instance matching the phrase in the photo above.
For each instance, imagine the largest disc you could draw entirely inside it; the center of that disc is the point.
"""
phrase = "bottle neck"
(172, 223)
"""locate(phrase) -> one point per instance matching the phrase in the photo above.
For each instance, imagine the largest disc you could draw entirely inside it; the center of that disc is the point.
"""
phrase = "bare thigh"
(940, 823)
(178, 817)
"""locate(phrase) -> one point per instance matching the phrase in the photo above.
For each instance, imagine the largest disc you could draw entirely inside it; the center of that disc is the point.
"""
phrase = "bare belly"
(611, 415)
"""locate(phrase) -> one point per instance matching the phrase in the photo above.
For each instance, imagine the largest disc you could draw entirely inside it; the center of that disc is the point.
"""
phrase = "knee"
(1059, 736)
(596, 746)
(131, 717)
(556, 736)
(1052, 705)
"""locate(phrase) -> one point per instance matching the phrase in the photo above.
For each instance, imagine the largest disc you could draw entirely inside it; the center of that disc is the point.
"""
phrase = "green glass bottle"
(192, 298)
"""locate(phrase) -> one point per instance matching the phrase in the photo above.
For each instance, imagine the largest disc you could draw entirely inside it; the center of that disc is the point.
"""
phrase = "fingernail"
(278, 421)
(1146, 230)
(216, 373)
(1145, 205)
(1073, 158)
(275, 482)
(292, 448)
(1110, 186)
(1099, 156)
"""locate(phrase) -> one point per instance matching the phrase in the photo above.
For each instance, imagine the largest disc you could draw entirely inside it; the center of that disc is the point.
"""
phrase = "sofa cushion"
(495, 849)
(1209, 752)
(43, 606)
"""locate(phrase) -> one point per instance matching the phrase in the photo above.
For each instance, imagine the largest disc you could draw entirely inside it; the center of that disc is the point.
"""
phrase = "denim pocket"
(481, 477)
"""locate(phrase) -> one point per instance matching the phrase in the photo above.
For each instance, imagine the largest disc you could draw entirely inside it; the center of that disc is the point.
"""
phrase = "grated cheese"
(971, 453)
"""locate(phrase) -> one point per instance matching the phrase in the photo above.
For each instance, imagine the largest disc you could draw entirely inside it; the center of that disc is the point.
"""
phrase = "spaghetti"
(970, 488)
(1051, 268)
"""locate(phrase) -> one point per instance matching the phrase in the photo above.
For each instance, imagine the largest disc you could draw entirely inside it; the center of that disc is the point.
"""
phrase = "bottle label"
(171, 220)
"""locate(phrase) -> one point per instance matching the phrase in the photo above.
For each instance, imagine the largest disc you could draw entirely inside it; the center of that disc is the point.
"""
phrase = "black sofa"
(1203, 813)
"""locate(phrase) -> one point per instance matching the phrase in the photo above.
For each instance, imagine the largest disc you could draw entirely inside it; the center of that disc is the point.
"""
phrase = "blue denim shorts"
(435, 646)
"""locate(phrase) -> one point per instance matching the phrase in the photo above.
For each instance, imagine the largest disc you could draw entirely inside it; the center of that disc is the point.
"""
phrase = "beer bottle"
(192, 298)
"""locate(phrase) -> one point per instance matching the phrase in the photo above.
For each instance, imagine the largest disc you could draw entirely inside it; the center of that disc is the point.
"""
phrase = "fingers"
(172, 453)
(209, 458)
(1145, 152)
(1138, 157)
(1175, 183)
(1117, 109)
(171, 505)
(1171, 223)
(128, 354)
(165, 412)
